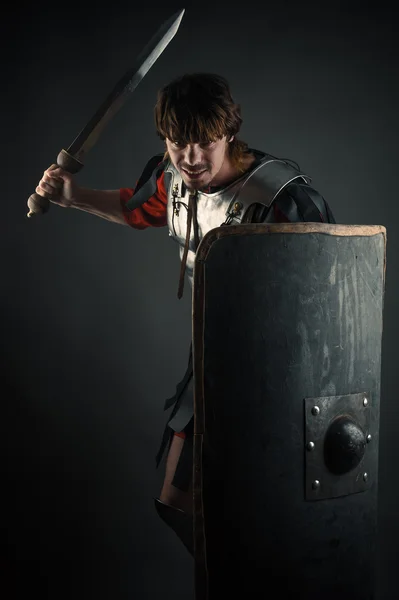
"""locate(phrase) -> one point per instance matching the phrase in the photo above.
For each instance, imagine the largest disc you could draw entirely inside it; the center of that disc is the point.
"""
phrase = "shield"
(287, 332)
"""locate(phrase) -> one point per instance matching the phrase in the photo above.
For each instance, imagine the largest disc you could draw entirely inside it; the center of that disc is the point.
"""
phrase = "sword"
(71, 159)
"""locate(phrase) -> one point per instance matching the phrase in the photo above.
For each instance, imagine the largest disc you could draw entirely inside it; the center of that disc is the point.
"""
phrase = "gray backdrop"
(93, 335)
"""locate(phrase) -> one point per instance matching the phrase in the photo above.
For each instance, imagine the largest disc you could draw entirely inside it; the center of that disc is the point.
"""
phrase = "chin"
(197, 184)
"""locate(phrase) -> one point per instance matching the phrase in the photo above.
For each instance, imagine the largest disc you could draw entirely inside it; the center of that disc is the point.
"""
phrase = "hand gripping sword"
(71, 159)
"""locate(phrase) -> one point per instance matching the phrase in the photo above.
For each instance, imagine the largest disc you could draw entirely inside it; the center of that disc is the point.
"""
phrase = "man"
(206, 178)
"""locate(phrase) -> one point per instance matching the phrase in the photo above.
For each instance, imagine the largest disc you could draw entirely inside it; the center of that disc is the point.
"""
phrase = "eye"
(207, 144)
(177, 143)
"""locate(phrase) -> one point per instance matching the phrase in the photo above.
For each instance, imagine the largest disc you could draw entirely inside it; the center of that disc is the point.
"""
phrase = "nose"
(192, 155)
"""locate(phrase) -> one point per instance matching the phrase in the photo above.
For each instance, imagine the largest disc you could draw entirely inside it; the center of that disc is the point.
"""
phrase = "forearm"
(103, 203)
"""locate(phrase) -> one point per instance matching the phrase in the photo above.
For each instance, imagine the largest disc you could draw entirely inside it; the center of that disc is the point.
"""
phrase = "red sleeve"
(150, 214)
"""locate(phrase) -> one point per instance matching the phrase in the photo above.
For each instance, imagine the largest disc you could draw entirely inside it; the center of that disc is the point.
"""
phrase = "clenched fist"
(58, 186)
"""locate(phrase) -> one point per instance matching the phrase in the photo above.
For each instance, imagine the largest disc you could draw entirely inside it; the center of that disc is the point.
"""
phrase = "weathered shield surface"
(287, 328)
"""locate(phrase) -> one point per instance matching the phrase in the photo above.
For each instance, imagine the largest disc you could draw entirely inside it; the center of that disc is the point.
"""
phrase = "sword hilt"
(38, 204)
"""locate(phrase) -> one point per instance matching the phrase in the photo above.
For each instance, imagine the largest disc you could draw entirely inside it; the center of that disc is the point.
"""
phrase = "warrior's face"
(200, 164)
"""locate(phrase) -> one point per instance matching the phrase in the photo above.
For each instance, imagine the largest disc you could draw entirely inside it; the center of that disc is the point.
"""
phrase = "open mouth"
(194, 174)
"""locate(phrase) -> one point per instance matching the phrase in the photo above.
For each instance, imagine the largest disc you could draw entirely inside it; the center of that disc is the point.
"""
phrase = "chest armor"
(228, 206)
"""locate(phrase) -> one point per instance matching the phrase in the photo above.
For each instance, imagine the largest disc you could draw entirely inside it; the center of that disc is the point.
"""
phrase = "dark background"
(93, 335)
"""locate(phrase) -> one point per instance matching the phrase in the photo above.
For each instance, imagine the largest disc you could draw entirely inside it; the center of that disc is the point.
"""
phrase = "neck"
(225, 175)
(229, 172)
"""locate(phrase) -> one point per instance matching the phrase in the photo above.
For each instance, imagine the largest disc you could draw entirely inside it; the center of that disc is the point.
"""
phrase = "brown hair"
(197, 108)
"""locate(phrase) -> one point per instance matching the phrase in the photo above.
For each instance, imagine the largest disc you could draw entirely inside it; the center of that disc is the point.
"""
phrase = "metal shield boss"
(287, 331)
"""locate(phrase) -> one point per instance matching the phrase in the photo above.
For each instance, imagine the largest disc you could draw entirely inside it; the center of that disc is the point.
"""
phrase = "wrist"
(78, 198)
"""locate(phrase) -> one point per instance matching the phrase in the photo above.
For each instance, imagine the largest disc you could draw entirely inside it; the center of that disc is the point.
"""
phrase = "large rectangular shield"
(287, 331)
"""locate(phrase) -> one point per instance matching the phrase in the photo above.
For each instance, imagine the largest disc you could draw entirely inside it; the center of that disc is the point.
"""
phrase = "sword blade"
(125, 86)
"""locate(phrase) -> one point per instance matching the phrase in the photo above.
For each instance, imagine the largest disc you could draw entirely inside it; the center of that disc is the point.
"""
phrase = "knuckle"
(39, 191)
(43, 189)
(47, 176)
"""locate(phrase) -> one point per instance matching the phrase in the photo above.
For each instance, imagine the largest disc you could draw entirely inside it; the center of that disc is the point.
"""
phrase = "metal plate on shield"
(338, 445)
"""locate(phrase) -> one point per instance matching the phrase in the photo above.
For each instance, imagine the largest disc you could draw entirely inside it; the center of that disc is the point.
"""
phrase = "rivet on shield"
(316, 484)
(310, 446)
(365, 476)
(368, 438)
(365, 402)
(315, 410)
